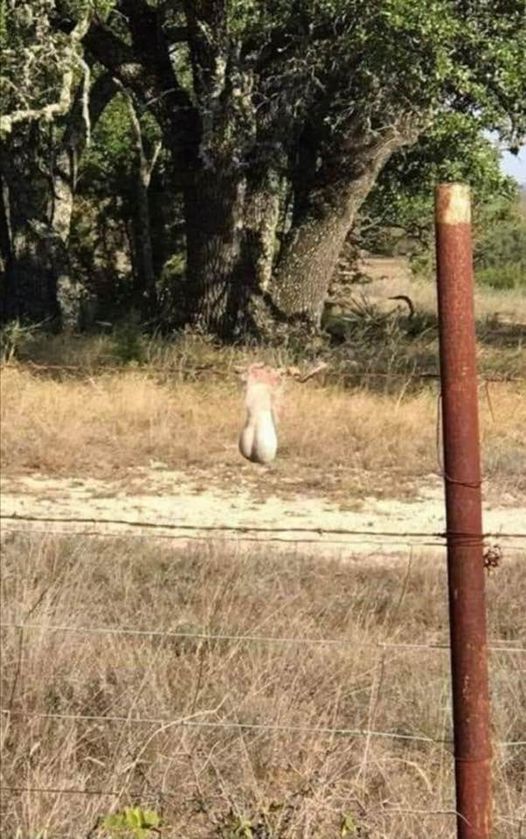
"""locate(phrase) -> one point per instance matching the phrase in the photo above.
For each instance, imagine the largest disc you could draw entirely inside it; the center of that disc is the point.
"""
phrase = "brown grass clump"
(210, 781)
(332, 440)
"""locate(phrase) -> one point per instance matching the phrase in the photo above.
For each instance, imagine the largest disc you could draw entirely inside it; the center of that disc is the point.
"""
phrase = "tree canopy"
(251, 138)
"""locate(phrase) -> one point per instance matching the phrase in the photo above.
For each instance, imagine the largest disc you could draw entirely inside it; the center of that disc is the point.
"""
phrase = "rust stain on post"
(462, 477)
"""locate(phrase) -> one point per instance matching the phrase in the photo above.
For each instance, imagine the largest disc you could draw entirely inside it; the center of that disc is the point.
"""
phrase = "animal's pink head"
(263, 388)
(263, 374)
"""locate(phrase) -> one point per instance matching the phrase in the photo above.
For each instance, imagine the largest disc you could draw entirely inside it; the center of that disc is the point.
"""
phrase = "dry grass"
(489, 302)
(333, 441)
(206, 781)
(178, 402)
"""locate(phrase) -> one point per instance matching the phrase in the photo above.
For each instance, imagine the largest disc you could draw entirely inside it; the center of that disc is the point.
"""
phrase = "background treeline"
(204, 163)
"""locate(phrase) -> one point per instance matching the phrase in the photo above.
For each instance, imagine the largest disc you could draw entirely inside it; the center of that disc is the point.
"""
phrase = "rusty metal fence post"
(462, 477)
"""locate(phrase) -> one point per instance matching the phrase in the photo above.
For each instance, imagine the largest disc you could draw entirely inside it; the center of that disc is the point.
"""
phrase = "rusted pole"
(466, 576)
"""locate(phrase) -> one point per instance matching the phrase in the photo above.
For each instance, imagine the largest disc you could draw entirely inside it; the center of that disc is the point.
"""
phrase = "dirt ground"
(188, 511)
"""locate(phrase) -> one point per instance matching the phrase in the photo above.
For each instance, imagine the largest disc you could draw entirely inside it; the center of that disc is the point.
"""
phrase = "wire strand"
(495, 646)
(247, 529)
(163, 721)
(425, 375)
(199, 538)
(230, 724)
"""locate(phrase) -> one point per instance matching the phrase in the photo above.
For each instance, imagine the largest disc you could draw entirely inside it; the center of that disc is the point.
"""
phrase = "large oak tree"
(280, 116)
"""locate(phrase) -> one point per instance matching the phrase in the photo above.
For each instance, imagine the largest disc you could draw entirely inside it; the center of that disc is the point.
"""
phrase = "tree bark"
(87, 109)
(214, 220)
(29, 292)
(5, 238)
(215, 198)
(261, 218)
(324, 218)
(145, 286)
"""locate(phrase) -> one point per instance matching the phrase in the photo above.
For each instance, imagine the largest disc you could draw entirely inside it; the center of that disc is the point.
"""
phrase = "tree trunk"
(5, 238)
(86, 111)
(261, 218)
(207, 135)
(214, 217)
(311, 249)
(145, 286)
(29, 292)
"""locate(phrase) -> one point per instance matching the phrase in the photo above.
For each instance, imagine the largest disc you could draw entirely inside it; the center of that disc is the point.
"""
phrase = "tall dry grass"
(209, 782)
(332, 440)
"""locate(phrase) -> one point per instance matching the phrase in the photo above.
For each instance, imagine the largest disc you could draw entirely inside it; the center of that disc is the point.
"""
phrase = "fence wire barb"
(186, 537)
(247, 529)
(495, 646)
(136, 533)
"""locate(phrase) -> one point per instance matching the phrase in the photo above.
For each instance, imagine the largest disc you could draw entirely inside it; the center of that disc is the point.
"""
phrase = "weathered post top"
(453, 204)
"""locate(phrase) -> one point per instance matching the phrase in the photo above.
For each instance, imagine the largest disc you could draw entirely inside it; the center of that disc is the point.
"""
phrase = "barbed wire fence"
(75, 526)
(187, 371)
(496, 544)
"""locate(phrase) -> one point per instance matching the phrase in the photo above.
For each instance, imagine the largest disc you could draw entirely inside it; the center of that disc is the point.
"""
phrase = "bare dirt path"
(188, 511)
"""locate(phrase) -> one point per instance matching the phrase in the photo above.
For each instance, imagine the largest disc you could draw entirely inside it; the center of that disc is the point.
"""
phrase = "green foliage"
(402, 200)
(505, 277)
(108, 157)
(502, 236)
(110, 160)
(40, 63)
(261, 825)
(35, 57)
(132, 823)
(338, 71)
(398, 53)
(500, 245)
(14, 339)
(128, 343)
(3, 24)
(238, 828)
(349, 826)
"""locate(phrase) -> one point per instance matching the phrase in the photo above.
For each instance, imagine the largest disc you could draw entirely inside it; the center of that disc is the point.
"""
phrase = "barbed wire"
(494, 646)
(261, 541)
(377, 546)
(186, 537)
(101, 367)
(247, 529)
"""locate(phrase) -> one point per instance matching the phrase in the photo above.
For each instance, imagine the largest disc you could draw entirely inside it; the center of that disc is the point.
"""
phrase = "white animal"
(259, 438)
(258, 441)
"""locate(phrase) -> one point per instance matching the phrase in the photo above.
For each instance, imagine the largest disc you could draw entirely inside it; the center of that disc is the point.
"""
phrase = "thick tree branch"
(153, 82)
(80, 123)
(63, 104)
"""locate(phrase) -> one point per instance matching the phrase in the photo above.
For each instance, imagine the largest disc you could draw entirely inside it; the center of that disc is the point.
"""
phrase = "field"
(369, 426)
(238, 781)
(327, 721)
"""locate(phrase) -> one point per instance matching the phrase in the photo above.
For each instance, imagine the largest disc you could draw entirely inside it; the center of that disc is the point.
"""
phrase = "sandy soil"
(188, 511)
